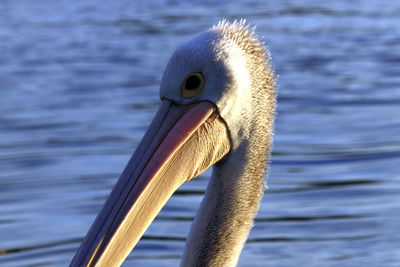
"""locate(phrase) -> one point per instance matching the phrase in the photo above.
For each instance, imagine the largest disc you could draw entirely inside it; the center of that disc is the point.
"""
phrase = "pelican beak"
(181, 142)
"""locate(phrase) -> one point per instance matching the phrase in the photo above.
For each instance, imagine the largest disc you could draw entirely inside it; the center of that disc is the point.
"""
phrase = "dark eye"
(192, 85)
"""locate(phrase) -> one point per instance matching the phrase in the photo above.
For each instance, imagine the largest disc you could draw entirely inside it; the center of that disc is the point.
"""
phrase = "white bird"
(218, 108)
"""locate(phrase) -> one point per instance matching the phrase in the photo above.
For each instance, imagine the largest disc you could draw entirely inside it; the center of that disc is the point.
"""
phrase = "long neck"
(235, 190)
(226, 214)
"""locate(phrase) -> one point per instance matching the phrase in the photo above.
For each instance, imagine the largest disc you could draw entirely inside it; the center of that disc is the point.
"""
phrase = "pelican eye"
(192, 85)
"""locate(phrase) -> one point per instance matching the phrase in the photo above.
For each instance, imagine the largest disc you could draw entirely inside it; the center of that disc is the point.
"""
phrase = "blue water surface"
(79, 85)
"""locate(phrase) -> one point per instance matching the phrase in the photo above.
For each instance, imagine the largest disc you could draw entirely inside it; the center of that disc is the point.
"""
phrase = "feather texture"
(236, 187)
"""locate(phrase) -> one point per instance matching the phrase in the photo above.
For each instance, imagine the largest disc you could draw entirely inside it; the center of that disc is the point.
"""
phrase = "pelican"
(217, 108)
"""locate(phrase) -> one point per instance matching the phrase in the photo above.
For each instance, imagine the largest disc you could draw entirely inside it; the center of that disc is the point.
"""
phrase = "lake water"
(79, 85)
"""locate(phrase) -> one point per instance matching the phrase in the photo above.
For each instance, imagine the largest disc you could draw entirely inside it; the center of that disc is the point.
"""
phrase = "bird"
(218, 102)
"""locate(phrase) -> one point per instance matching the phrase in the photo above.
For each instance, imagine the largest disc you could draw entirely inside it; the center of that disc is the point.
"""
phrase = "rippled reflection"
(79, 85)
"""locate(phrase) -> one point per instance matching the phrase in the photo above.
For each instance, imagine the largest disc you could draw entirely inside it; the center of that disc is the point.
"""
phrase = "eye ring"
(192, 85)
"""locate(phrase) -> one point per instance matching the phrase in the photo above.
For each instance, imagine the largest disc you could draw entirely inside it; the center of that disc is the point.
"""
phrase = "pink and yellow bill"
(181, 142)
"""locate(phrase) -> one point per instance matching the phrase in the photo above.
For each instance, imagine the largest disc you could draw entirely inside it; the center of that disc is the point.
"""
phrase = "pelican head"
(218, 104)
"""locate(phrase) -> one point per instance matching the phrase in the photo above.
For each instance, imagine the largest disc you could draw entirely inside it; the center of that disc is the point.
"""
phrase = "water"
(79, 86)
